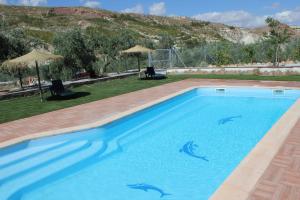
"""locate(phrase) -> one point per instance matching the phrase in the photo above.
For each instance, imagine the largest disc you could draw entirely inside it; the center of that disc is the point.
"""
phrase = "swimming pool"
(183, 148)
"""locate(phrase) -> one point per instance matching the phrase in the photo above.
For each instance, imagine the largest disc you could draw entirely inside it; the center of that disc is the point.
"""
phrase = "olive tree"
(108, 48)
(277, 36)
(73, 45)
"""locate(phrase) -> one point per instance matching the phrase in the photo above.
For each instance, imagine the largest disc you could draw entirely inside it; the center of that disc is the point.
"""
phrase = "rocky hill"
(44, 22)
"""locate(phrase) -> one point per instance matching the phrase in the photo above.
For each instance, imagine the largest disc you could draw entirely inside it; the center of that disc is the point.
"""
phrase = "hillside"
(44, 22)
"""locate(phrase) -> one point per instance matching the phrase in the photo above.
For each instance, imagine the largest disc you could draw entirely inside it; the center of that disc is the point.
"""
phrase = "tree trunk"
(276, 56)
(39, 80)
(105, 67)
(139, 66)
(20, 78)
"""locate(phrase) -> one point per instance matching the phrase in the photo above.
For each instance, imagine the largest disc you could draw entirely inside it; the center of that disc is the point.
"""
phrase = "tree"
(4, 47)
(277, 36)
(295, 49)
(74, 47)
(18, 45)
(249, 53)
(109, 47)
(15, 42)
(221, 54)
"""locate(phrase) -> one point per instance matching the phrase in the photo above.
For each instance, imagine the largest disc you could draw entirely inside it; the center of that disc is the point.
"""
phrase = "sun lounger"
(155, 74)
(57, 89)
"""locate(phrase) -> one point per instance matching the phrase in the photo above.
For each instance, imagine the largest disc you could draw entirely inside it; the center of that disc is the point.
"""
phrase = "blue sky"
(246, 13)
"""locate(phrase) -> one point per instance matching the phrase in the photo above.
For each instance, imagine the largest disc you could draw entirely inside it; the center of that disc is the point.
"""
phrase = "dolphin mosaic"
(145, 187)
(189, 149)
(228, 119)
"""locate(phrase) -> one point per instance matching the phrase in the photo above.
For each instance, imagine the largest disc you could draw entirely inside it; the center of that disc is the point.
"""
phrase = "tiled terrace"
(280, 181)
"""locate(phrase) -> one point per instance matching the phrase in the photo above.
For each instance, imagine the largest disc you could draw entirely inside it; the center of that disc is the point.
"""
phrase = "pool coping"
(239, 184)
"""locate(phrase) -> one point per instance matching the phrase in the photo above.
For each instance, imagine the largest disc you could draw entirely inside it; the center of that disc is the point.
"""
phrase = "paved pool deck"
(281, 179)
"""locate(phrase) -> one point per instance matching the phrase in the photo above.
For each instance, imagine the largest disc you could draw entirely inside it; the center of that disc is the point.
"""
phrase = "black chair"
(150, 73)
(57, 89)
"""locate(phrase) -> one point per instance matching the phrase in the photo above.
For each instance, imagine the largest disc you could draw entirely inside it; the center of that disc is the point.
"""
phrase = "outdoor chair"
(151, 73)
(57, 89)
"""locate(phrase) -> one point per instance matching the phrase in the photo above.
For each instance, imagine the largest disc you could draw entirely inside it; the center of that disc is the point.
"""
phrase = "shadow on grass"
(76, 95)
(153, 78)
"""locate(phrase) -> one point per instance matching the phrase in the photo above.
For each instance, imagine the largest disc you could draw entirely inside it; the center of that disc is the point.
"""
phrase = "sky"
(243, 13)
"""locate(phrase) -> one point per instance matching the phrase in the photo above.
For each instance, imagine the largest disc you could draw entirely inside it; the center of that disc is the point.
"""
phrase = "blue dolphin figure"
(145, 187)
(189, 149)
(228, 119)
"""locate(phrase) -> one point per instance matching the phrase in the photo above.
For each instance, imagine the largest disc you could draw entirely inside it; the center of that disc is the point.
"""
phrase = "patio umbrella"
(30, 60)
(137, 50)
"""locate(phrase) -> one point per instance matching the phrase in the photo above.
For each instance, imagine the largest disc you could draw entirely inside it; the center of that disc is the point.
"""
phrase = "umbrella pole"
(139, 66)
(39, 80)
(20, 78)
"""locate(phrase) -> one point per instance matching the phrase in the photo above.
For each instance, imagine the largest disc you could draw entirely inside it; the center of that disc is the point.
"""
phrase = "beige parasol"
(137, 50)
(32, 59)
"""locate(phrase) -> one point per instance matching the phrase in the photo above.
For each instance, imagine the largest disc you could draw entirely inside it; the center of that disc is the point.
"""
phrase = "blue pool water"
(181, 149)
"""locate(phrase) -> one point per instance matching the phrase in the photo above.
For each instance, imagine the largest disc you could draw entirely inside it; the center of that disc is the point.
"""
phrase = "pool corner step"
(24, 166)
(11, 188)
(27, 153)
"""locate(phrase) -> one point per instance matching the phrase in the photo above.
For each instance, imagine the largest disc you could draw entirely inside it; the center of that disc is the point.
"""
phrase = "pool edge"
(240, 183)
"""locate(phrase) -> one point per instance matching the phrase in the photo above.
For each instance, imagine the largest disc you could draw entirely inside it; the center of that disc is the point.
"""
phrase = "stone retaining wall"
(264, 71)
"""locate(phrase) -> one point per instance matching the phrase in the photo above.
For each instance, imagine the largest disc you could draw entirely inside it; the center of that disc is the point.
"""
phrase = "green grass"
(22, 107)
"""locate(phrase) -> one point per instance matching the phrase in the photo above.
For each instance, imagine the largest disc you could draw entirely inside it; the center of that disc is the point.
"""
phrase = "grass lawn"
(22, 107)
